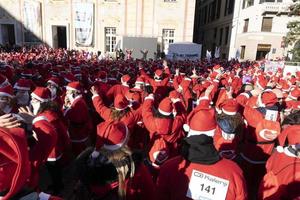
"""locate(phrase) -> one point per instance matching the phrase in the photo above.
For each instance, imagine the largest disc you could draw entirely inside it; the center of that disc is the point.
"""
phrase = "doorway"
(59, 36)
(262, 51)
(8, 34)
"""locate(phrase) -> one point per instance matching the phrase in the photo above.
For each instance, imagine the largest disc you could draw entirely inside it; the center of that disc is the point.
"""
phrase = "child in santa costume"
(111, 170)
(282, 180)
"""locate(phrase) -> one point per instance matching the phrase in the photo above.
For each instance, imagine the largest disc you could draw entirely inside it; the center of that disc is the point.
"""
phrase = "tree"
(293, 36)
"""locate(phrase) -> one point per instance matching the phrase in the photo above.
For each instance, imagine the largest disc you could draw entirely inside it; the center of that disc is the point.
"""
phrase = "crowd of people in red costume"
(146, 129)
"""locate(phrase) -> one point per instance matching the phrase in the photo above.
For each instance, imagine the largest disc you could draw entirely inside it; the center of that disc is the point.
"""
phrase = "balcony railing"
(278, 8)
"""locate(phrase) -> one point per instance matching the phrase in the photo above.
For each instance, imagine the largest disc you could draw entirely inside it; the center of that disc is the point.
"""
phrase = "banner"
(84, 24)
(273, 66)
(32, 21)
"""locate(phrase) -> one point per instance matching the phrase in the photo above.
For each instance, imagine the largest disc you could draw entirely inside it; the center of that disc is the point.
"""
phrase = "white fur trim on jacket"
(39, 118)
(209, 133)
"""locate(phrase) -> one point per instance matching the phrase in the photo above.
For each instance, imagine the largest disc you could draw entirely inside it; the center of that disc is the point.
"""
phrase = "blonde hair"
(118, 158)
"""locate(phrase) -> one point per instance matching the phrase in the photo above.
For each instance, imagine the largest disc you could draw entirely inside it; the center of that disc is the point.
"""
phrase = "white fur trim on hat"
(261, 133)
(280, 149)
(292, 97)
(246, 95)
(163, 112)
(21, 88)
(39, 98)
(150, 96)
(186, 127)
(140, 82)
(70, 88)
(119, 109)
(117, 146)
(228, 113)
(52, 82)
(4, 94)
(210, 133)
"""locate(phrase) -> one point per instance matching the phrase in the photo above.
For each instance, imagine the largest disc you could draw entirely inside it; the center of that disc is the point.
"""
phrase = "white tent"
(184, 50)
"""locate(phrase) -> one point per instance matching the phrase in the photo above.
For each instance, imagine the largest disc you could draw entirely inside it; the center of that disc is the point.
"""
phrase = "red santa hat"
(295, 94)
(14, 162)
(201, 122)
(102, 75)
(3, 81)
(27, 72)
(159, 152)
(54, 81)
(125, 78)
(22, 84)
(69, 78)
(230, 107)
(140, 80)
(42, 94)
(261, 82)
(165, 107)
(290, 135)
(267, 130)
(75, 86)
(112, 135)
(267, 99)
(120, 102)
(158, 72)
(7, 91)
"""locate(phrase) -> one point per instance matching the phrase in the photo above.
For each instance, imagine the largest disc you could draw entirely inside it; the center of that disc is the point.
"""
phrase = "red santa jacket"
(179, 180)
(155, 125)
(46, 139)
(79, 121)
(282, 180)
(227, 148)
(63, 140)
(116, 89)
(130, 119)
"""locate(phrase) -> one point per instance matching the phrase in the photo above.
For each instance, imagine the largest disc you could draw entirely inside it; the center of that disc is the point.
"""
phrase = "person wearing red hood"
(199, 172)
(229, 130)
(119, 88)
(120, 112)
(164, 126)
(263, 127)
(184, 88)
(282, 180)
(77, 116)
(111, 170)
(159, 83)
(15, 167)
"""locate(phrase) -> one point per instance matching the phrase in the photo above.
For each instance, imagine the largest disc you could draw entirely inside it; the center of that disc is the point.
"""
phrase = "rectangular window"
(246, 23)
(167, 38)
(243, 49)
(247, 3)
(226, 35)
(229, 7)
(221, 37)
(110, 39)
(226, 8)
(267, 24)
(170, 0)
(215, 32)
(205, 14)
(219, 8)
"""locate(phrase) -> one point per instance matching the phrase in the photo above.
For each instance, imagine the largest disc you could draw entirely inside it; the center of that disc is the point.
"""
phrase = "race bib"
(204, 186)
(271, 115)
